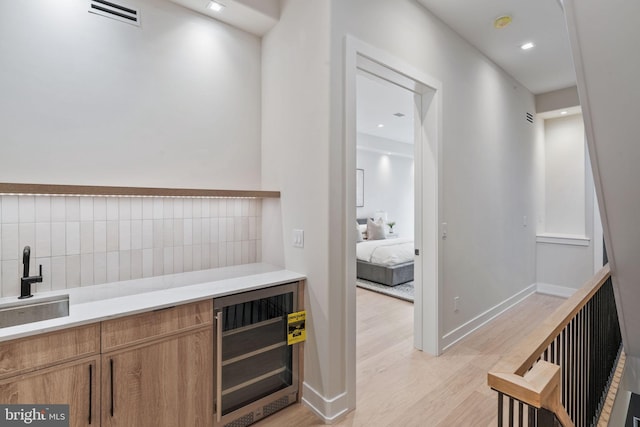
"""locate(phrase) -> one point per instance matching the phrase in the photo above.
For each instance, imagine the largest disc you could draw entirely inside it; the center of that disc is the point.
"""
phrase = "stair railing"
(559, 375)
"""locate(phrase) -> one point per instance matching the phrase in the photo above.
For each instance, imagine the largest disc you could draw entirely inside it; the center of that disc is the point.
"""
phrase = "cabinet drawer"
(27, 354)
(143, 327)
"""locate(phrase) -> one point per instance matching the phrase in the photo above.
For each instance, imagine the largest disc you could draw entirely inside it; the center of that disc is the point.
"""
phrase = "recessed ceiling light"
(501, 21)
(215, 6)
(380, 125)
(563, 113)
(527, 46)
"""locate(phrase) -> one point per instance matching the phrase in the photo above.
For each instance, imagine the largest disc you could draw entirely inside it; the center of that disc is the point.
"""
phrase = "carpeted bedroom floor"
(403, 291)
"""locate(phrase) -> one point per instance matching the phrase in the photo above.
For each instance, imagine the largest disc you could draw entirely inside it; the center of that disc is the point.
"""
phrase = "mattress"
(386, 252)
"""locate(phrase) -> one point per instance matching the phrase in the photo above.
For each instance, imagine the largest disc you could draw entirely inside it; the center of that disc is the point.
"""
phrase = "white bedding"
(385, 252)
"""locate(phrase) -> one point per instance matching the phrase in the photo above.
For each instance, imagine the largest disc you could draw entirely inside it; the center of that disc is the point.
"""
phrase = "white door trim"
(427, 328)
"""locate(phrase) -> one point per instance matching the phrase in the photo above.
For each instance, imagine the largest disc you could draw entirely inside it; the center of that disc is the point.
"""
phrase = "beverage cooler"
(256, 370)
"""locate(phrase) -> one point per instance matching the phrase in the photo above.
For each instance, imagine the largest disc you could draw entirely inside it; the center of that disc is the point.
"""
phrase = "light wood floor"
(400, 386)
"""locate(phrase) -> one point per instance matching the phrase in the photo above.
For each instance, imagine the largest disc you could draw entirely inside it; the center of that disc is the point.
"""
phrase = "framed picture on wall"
(359, 188)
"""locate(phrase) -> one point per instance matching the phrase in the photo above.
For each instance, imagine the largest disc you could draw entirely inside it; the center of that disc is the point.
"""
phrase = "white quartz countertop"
(101, 302)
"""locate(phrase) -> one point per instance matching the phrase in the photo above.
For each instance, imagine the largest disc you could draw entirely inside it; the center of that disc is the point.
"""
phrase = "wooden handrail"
(538, 384)
(96, 190)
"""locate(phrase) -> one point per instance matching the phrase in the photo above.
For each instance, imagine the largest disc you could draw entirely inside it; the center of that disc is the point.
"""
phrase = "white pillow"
(359, 237)
(375, 230)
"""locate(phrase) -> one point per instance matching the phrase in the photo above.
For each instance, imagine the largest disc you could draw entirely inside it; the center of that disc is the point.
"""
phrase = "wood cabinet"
(161, 377)
(54, 369)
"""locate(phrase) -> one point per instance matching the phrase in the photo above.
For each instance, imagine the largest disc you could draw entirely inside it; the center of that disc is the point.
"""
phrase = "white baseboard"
(457, 334)
(555, 290)
(329, 410)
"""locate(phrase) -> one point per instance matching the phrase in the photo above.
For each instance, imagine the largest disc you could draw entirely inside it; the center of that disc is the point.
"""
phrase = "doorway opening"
(364, 61)
(385, 208)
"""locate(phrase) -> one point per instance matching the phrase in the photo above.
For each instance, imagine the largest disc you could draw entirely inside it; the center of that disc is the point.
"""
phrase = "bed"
(386, 261)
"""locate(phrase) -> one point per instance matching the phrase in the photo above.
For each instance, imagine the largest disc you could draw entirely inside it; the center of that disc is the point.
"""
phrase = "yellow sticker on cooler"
(296, 331)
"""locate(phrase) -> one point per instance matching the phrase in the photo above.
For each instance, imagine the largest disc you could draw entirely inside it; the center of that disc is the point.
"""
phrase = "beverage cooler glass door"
(253, 360)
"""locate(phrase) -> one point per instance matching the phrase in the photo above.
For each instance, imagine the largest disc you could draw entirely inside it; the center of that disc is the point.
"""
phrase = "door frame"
(428, 196)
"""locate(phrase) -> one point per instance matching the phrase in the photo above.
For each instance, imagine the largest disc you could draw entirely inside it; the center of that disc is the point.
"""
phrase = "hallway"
(400, 386)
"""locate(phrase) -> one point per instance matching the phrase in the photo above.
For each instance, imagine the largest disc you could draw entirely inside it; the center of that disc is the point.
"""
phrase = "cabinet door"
(166, 383)
(74, 384)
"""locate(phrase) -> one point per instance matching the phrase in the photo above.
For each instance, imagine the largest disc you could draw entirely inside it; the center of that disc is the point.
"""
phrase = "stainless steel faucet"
(26, 280)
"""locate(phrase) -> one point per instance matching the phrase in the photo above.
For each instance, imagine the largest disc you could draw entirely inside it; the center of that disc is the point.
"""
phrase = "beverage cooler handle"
(219, 365)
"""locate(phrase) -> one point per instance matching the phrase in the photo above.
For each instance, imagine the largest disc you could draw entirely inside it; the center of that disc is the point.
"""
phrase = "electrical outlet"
(456, 301)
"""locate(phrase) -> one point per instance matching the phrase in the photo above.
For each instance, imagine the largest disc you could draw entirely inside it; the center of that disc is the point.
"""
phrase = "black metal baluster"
(510, 412)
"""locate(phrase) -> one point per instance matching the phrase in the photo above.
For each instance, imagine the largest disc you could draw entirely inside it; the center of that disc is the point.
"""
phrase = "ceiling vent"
(530, 117)
(118, 11)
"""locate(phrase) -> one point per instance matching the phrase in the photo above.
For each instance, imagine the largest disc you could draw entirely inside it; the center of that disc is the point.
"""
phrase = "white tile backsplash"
(58, 273)
(136, 208)
(87, 240)
(58, 239)
(43, 239)
(100, 236)
(197, 208)
(147, 262)
(113, 236)
(43, 209)
(27, 208)
(178, 208)
(58, 209)
(125, 235)
(147, 208)
(86, 237)
(125, 265)
(147, 233)
(72, 206)
(73, 237)
(178, 232)
(73, 271)
(10, 242)
(125, 208)
(99, 208)
(10, 278)
(113, 209)
(136, 234)
(113, 266)
(86, 209)
(197, 231)
(136, 264)
(86, 269)
(168, 260)
(10, 210)
(206, 260)
(99, 268)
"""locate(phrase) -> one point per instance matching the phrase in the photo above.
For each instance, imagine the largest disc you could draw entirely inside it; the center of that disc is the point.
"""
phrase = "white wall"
(388, 187)
(565, 176)
(295, 160)
(90, 100)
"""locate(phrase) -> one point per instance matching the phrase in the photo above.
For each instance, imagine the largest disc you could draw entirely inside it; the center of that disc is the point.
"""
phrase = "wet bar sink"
(22, 312)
